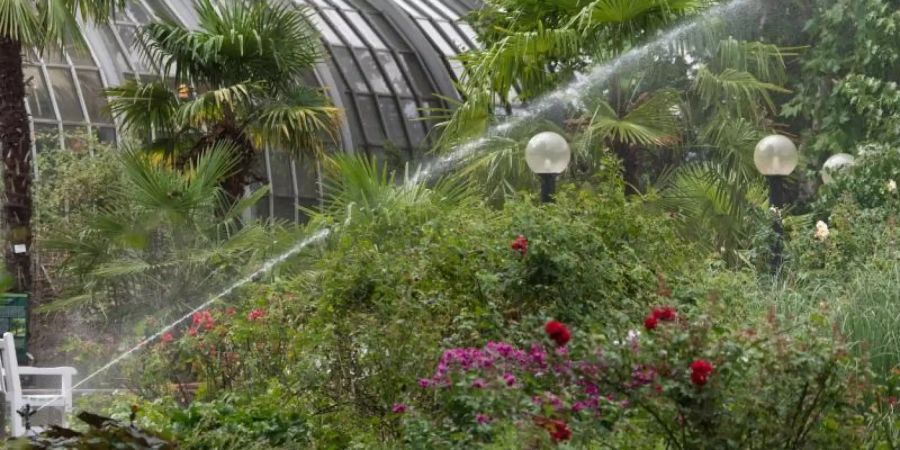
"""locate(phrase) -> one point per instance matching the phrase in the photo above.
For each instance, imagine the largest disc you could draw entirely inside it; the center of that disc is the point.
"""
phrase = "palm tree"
(162, 241)
(23, 24)
(238, 78)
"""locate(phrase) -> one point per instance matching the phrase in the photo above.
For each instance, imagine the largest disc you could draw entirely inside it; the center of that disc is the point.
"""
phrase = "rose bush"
(689, 382)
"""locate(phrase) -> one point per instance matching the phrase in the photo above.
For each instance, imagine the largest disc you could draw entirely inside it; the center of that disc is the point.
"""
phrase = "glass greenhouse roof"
(388, 63)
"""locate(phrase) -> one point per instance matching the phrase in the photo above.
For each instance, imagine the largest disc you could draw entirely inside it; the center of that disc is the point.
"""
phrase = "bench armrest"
(61, 371)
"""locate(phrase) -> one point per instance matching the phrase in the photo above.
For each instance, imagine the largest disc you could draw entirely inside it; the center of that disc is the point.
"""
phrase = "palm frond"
(717, 209)
(144, 108)
(739, 91)
(652, 122)
(236, 41)
(296, 121)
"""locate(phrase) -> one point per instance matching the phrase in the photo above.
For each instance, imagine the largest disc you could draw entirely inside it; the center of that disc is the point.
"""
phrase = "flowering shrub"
(690, 382)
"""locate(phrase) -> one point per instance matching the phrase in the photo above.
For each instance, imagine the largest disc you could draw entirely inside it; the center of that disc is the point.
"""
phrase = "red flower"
(558, 332)
(256, 314)
(203, 319)
(650, 322)
(192, 331)
(700, 371)
(230, 310)
(520, 244)
(167, 337)
(666, 314)
(559, 431)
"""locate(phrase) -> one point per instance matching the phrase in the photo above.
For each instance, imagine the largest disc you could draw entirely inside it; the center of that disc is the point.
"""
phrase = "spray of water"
(574, 92)
(265, 268)
(568, 95)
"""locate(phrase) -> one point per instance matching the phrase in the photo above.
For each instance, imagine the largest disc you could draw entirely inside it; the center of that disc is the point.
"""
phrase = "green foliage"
(237, 78)
(868, 182)
(770, 385)
(73, 186)
(846, 90)
(50, 23)
(161, 239)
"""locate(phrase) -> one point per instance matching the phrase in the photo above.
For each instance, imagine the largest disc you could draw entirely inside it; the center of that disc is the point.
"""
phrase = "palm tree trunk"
(15, 145)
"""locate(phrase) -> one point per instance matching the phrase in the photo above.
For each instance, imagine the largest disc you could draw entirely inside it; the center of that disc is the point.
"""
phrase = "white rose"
(822, 230)
(892, 186)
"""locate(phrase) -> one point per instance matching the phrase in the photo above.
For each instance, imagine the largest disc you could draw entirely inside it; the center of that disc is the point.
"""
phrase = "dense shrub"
(699, 380)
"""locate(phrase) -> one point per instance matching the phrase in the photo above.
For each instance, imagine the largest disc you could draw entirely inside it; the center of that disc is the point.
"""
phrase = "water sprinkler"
(548, 154)
(25, 413)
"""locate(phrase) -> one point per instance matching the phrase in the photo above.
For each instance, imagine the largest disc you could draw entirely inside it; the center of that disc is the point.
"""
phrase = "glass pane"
(285, 208)
(94, 99)
(282, 180)
(159, 9)
(344, 5)
(394, 122)
(410, 64)
(330, 36)
(350, 69)
(416, 127)
(112, 46)
(426, 9)
(455, 38)
(37, 95)
(371, 71)
(354, 121)
(137, 11)
(338, 23)
(262, 207)
(469, 33)
(76, 139)
(388, 32)
(307, 182)
(64, 90)
(80, 55)
(53, 55)
(435, 37)
(370, 119)
(340, 87)
(445, 12)
(409, 9)
(129, 36)
(46, 136)
(105, 135)
(398, 81)
(365, 30)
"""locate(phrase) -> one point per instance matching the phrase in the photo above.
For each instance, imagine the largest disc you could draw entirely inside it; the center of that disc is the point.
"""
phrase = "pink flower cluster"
(497, 356)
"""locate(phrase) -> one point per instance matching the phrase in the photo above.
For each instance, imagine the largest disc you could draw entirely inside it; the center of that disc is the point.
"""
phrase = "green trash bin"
(14, 319)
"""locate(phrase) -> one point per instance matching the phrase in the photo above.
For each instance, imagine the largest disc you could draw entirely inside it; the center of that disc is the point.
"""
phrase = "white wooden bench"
(16, 398)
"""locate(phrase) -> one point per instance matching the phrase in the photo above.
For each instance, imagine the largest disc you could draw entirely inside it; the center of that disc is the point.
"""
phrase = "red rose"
(558, 332)
(167, 337)
(666, 314)
(559, 431)
(700, 371)
(650, 322)
(520, 244)
(256, 314)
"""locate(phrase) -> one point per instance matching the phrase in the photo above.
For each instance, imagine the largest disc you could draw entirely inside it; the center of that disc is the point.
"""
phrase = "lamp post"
(776, 157)
(834, 164)
(547, 154)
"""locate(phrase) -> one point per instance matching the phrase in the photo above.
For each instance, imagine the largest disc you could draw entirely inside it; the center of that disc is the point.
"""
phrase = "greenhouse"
(388, 63)
(442, 224)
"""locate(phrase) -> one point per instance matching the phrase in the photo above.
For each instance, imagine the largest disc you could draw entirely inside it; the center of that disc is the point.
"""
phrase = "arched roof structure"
(388, 63)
